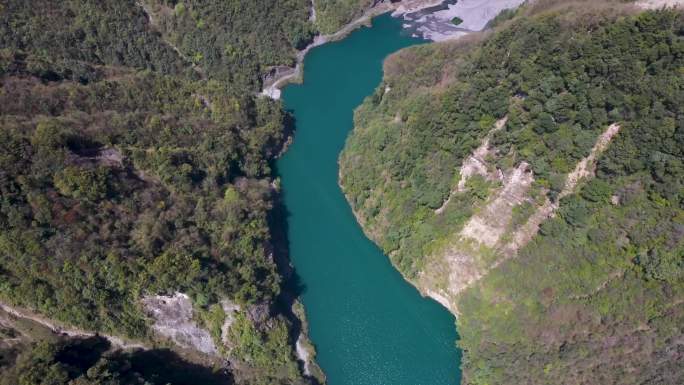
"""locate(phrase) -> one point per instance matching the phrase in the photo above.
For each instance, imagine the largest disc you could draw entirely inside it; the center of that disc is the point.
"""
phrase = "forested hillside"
(331, 15)
(531, 179)
(237, 41)
(134, 162)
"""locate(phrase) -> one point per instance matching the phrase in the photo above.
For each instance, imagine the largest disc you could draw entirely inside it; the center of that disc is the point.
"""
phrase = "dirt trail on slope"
(68, 331)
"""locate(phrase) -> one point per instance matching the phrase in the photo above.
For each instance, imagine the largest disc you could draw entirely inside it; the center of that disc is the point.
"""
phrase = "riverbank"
(294, 75)
(428, 19)
(283, 76)
(369, 325)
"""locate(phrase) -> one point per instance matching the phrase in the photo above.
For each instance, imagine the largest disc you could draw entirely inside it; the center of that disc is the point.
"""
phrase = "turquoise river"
(368, 324)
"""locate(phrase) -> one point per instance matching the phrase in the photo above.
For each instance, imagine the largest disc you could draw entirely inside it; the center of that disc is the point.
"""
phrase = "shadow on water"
(278, 220)
(292, 286)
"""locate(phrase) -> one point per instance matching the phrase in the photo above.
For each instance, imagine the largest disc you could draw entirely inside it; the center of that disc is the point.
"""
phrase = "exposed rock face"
(487, 239)
(303, 355)
(173, 319)
(489, 225)
(476, 164)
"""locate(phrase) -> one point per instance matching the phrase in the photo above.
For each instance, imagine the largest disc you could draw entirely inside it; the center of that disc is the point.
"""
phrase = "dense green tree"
(596, 296)
(135, 160)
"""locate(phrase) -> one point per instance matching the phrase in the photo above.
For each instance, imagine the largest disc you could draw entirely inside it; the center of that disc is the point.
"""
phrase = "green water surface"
(368, 324)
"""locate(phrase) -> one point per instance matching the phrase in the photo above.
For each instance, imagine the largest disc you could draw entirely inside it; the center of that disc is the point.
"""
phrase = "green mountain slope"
(531, 180)
(134, 162)
(331, 15)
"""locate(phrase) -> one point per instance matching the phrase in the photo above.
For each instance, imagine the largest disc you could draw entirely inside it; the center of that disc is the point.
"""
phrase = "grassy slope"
(597, 296)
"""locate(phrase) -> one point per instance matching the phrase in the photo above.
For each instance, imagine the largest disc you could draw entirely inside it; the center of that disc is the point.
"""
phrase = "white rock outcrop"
(172, 317)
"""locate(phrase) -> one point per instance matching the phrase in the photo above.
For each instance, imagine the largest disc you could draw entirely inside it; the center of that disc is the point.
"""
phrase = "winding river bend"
(368, 324)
